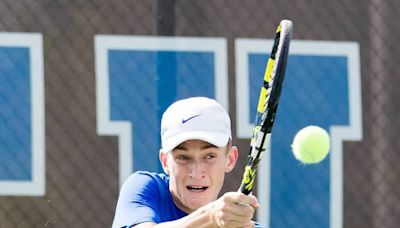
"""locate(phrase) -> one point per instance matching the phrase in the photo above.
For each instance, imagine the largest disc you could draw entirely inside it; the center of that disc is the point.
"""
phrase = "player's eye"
(210, 156)
(182, 157)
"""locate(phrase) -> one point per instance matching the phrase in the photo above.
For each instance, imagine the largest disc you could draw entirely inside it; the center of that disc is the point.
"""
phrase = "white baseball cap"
(199, 118)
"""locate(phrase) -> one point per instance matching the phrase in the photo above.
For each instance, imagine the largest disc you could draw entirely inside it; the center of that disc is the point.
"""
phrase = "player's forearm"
(201, 218)
(233, 209)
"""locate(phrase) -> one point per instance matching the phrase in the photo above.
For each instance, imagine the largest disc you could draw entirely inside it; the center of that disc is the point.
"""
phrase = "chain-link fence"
(82, 167)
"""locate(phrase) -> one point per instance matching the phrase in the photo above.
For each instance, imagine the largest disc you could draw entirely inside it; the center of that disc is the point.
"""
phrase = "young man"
(196, 154)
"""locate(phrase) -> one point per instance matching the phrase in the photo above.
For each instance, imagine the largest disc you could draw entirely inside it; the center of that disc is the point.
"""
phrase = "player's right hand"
(234, 209)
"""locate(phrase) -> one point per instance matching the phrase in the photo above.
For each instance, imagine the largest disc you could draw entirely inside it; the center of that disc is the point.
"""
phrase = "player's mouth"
(196, 188)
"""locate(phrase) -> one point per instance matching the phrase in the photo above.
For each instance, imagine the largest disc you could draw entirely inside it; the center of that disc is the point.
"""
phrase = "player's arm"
(200, 218)
(233, 209)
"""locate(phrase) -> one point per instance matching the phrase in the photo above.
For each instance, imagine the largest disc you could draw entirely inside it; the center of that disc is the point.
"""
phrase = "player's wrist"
(213, 214)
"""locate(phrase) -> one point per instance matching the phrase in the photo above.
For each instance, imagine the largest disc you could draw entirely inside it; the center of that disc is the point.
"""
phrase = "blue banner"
(22, 147)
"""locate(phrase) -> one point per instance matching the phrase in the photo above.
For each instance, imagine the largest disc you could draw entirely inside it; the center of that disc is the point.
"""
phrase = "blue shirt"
(145, 197)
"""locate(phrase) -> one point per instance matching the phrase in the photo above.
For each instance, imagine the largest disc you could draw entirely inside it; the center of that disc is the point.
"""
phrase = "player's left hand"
(235, 209)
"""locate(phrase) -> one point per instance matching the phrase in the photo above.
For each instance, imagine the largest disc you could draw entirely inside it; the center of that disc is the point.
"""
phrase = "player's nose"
(197, 170)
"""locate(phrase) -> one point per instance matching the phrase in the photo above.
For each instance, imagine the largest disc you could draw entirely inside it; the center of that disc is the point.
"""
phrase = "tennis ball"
(311, 144)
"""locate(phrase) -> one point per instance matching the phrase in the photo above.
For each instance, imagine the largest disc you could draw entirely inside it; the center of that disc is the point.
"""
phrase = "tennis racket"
(267, 103)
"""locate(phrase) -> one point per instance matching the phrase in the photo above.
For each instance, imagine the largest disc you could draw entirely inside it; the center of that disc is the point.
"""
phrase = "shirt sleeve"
(137, 202)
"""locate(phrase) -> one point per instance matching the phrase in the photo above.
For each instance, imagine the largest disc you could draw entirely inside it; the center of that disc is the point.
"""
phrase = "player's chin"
(196, 198)
(194, 204)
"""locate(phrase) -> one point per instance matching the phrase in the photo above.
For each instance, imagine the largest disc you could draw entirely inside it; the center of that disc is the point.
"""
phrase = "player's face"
(197, 170)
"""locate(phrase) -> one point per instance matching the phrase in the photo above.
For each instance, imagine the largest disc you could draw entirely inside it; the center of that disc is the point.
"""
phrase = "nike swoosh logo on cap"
(186, 120)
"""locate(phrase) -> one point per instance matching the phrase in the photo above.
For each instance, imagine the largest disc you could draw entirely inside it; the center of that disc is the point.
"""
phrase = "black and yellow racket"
(267, 103)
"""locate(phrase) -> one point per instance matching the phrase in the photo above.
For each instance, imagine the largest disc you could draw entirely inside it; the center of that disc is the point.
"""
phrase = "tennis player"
(196, 154)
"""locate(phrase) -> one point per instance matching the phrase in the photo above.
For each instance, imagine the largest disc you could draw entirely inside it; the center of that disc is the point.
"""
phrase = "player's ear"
(232, 158)
(163, 156)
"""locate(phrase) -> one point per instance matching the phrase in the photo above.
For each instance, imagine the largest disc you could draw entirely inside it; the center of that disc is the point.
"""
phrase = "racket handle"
(249, 175)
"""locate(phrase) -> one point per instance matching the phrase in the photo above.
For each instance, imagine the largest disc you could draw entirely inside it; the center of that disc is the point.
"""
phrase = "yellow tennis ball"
(311, 144)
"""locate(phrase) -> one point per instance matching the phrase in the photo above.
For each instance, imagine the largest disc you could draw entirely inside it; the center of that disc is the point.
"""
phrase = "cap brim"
(217, 139)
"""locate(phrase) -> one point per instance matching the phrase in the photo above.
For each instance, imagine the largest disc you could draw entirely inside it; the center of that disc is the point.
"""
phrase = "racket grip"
(246, 187)
(244, 190)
